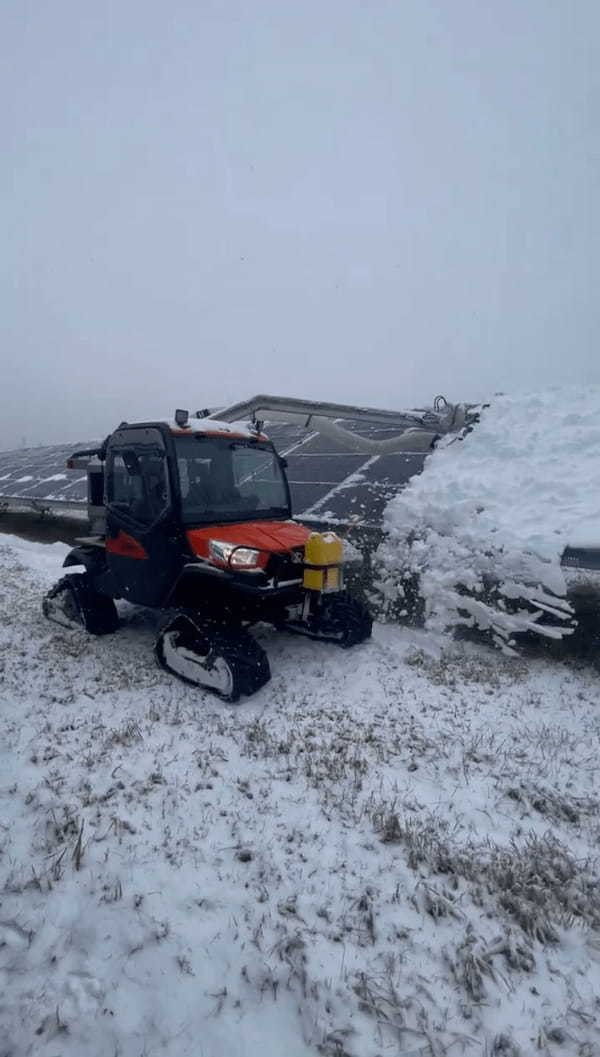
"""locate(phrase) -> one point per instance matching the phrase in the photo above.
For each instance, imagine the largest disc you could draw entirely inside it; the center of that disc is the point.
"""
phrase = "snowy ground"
(385, 852)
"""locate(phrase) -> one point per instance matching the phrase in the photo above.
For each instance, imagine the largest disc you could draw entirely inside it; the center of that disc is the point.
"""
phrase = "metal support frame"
(418, 429)
(13, 504)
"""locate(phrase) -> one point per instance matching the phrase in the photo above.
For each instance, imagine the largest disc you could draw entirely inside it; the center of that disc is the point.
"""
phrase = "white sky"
(361, 201)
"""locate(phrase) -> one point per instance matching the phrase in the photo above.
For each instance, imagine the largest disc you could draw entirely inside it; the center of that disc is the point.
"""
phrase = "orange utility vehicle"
(193, 517)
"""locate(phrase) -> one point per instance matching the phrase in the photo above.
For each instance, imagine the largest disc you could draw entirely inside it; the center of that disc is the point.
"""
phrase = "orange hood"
(265, 536)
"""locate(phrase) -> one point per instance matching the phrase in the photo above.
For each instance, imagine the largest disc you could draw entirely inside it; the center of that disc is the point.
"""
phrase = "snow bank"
(485, 525)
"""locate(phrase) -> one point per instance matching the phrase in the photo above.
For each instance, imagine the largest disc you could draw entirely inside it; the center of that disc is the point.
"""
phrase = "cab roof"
(212, 427)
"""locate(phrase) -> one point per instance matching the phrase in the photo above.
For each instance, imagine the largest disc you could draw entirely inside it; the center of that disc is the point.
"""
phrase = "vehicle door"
(143, 538)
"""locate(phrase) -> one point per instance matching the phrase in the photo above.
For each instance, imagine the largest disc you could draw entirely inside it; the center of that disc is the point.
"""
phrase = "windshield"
(221, 479)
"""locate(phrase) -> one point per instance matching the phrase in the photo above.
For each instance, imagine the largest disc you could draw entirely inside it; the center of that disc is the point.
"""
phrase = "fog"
(367, 202)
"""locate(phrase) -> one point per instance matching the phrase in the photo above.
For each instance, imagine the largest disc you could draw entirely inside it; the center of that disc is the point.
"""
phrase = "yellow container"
(323, 548)
(322, 560)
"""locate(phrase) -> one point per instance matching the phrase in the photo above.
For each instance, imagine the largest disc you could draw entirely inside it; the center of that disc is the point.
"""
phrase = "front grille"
(285, 567)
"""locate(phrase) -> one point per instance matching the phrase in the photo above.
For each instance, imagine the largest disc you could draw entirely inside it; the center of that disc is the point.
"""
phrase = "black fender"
(92, 558)
(198, 581)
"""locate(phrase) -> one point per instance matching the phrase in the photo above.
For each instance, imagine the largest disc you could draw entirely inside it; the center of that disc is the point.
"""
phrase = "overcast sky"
(366, 201)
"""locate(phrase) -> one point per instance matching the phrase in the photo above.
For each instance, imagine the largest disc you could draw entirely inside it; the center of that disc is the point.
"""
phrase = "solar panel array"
(330, 483)
(41, 474)
(327, 482)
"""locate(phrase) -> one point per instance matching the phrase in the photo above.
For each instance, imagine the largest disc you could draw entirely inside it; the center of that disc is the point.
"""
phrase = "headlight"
(233, 555)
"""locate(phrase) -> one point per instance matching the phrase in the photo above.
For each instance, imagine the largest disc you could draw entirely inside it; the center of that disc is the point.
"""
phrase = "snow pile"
(382, 852)
(482, 530)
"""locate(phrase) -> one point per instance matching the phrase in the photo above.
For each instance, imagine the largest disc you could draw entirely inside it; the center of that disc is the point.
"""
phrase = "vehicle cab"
(197, 492)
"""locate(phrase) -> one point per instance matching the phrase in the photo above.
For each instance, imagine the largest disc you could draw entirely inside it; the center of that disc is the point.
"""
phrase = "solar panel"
(41, 474)
(327, 482)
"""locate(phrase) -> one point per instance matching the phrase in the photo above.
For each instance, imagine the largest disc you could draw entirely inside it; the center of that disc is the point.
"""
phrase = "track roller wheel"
(73, 603)
(209, 654)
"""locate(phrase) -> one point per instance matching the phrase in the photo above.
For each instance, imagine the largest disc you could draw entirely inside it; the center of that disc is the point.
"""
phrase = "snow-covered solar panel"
(327, 482)
(41, 474)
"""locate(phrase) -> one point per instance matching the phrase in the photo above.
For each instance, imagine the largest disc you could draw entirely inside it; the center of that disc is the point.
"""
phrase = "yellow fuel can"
(322, 562)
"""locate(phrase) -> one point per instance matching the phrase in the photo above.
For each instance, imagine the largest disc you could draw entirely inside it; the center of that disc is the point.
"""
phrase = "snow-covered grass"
(386, 851)
(484, 526)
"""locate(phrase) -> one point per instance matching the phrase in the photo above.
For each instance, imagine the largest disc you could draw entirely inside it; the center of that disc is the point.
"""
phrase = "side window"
(137, 484)
(124, 480)
(156, 488)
